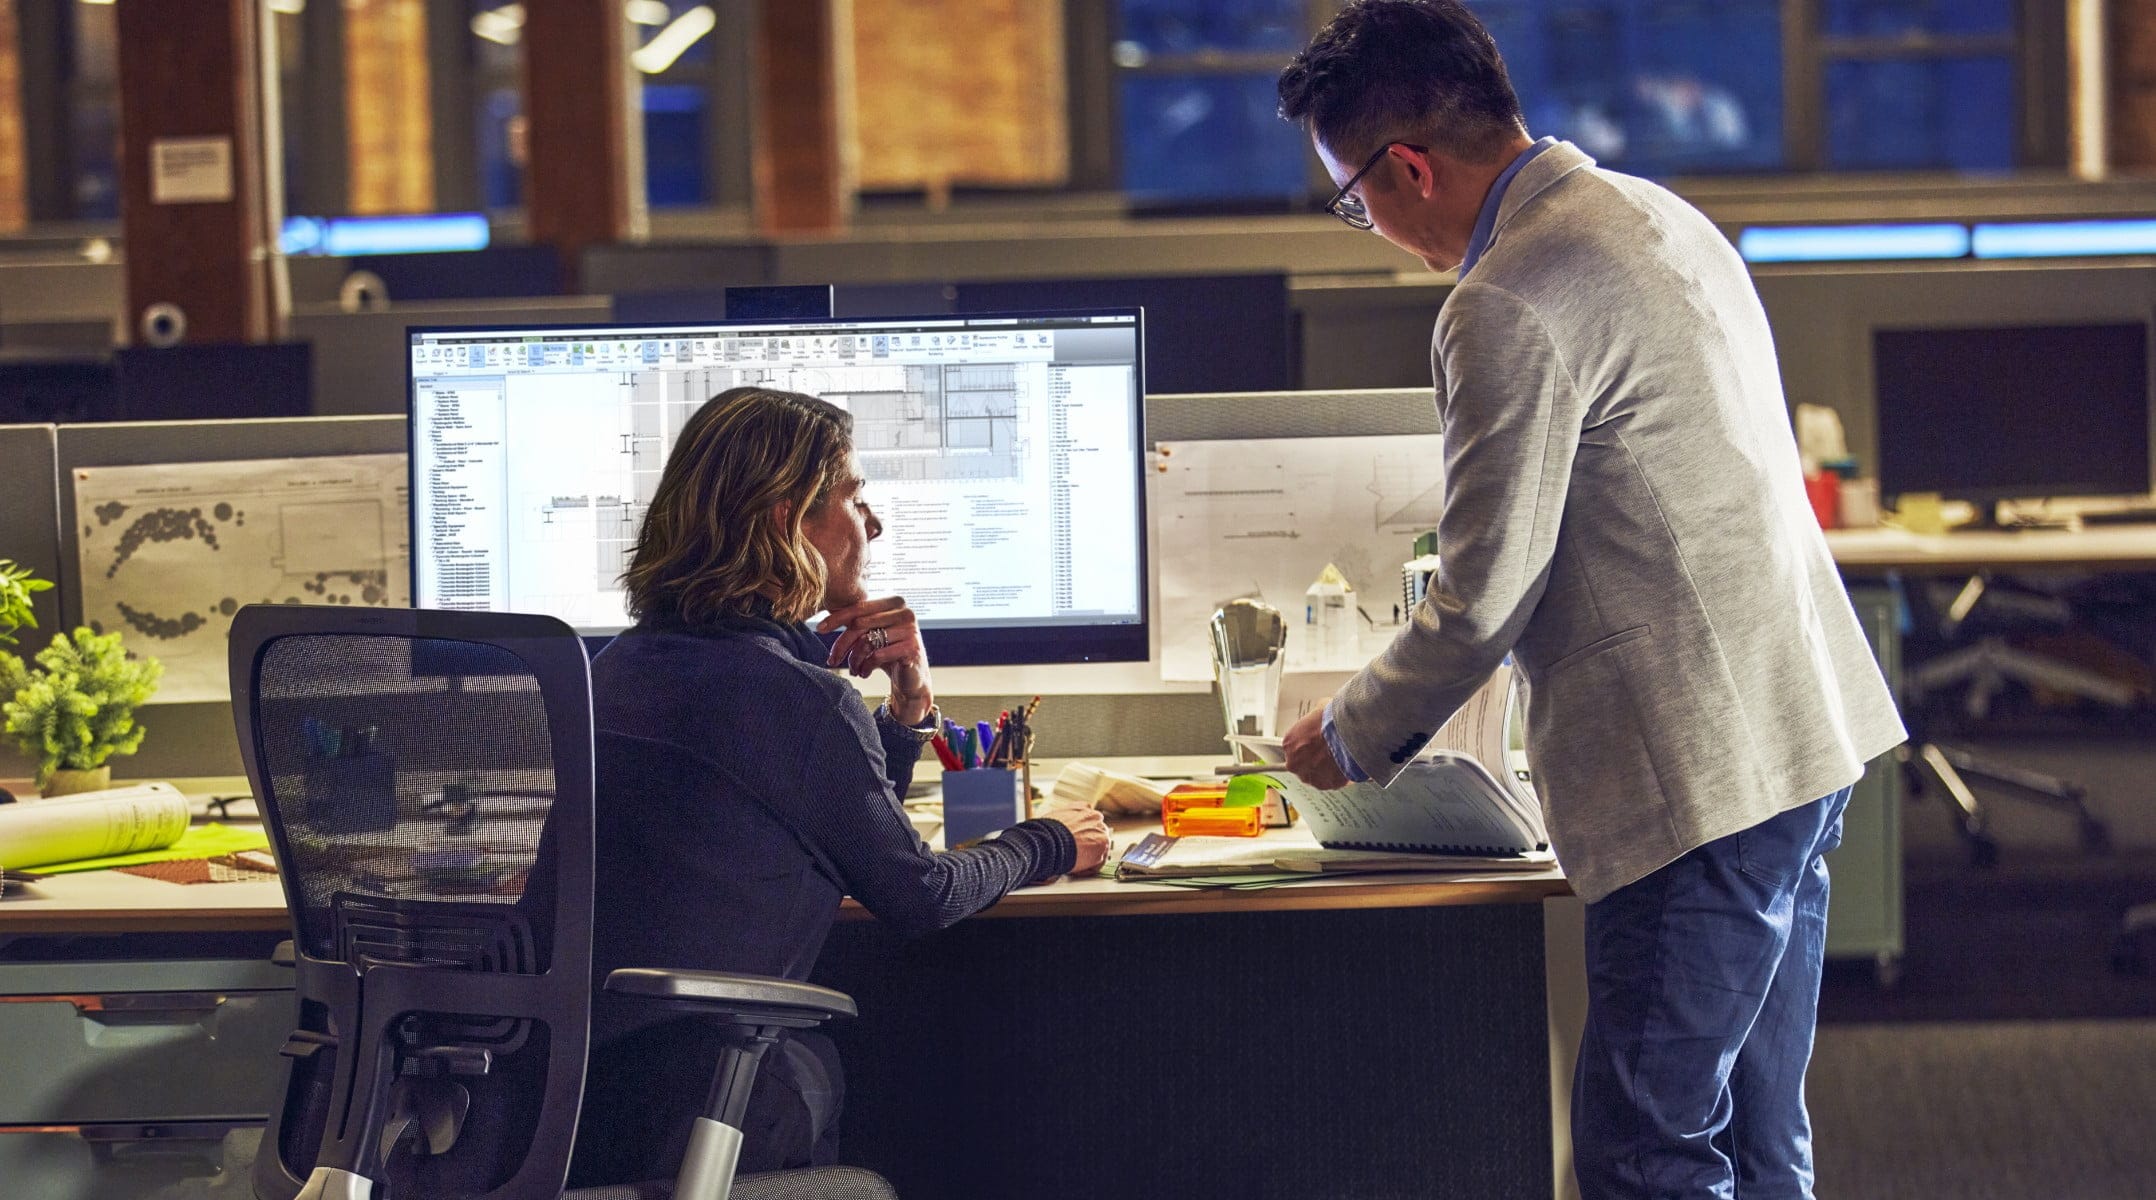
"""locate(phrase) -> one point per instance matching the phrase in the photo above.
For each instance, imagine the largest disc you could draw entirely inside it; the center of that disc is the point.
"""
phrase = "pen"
(988, 737)
(943, 754)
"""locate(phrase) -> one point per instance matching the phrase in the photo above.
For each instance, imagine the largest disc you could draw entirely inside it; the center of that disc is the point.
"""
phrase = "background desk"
(1392, 1036)
(2102, 548)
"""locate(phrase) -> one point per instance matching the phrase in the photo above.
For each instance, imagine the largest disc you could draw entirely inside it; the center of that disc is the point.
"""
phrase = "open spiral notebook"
(1446, 811)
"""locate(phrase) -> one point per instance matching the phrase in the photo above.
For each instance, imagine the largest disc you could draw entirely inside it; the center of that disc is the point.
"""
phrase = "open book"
(1446, 811)
(36, 833)
(1294, 852)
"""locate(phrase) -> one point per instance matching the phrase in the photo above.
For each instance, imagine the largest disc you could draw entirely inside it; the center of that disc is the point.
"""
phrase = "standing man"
(1624, 513)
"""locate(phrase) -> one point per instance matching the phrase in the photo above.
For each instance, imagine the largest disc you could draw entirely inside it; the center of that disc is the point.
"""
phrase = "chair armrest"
(760, 999)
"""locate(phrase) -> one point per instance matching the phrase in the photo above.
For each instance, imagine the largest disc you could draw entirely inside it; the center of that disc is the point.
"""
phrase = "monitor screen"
(1004, 453)
(1997, 413)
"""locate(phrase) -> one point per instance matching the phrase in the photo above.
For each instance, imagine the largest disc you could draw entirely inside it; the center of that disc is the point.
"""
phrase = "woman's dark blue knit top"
(744, 788)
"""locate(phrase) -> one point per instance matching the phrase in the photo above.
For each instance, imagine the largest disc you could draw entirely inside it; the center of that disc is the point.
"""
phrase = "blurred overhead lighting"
(420, 234)
(1851, 243)
(669, 43)
(648, 12)
(502, 25)
(2066, 239)
(291, 7)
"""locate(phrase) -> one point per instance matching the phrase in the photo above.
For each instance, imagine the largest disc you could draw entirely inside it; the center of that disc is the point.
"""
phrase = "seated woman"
(744, 788)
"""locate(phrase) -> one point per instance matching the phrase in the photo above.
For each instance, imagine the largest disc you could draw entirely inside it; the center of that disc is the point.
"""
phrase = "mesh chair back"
(427, 781)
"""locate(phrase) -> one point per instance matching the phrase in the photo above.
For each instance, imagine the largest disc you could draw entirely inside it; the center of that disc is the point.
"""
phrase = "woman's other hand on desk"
(1090, 830)
(1308, 756)
(884, 635)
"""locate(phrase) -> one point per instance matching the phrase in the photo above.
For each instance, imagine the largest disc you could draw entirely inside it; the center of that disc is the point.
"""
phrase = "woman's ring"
(877, 639)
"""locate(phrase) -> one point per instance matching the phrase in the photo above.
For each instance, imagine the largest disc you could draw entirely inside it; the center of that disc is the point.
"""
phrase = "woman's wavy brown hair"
(710, 546)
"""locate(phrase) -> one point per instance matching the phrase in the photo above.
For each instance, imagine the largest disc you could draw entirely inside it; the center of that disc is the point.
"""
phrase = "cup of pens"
(987, 775)
(351, 784)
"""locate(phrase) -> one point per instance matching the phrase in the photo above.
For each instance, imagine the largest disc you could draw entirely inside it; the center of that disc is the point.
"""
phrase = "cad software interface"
(1003, 456)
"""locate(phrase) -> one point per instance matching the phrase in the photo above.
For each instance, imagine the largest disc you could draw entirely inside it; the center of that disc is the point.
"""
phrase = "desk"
(1391, 1035)
(2102, 548)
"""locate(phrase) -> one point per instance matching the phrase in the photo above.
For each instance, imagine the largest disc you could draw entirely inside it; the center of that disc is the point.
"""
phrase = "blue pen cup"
(979, 802)
(352, 795)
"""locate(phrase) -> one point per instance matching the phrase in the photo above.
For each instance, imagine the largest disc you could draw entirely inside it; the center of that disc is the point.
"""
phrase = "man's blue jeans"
(1703, 989)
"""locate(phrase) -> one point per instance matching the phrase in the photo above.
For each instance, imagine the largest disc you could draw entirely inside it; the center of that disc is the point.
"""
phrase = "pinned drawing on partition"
(1263, 517)
(170, 552)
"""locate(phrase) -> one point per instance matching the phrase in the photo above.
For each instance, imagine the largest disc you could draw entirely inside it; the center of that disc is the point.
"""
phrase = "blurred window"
(1661, 88)
(671, 46)
(1198, 113)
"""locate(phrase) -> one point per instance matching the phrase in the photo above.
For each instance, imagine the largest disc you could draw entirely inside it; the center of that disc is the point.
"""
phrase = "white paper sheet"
(1262, 518)
(170, 552)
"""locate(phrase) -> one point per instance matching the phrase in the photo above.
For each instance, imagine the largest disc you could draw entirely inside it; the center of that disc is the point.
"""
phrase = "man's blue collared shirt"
(1486, 221)
(1477, 242)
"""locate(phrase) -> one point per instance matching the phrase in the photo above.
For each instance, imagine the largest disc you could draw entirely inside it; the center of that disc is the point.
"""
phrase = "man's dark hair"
(1387, 70)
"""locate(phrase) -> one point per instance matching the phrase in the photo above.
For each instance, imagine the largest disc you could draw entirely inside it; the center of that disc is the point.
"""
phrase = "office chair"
(427, 779)
(1986, 667)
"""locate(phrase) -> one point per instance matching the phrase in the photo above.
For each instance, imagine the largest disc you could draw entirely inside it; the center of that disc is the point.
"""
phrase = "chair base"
(1952, 769)
(1990, 665)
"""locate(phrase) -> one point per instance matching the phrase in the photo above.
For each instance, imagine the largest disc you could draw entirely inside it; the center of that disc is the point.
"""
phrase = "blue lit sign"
(1851, 243)
(344, 237)
(2065, 239)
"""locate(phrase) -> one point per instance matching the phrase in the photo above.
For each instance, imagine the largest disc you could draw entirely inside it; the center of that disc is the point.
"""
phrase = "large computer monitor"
(1005, 455)
(1988, 414)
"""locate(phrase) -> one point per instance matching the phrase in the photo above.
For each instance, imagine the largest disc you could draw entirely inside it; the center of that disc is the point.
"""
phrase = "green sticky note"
(1248, 791)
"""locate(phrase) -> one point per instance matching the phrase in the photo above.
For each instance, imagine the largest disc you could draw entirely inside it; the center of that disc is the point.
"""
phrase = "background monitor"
(1204, 333)
(1005, 455)
(1989, 414)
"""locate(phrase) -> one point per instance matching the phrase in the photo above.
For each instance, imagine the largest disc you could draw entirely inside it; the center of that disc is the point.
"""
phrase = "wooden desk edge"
(141, 920)
(1131, 900)
(1054, 901)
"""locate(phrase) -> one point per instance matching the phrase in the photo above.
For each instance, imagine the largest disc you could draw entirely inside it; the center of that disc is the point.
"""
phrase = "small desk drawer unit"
(119, 1078)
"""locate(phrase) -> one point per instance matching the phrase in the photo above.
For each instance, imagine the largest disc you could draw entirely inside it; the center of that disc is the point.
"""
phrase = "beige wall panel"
(388, 124)
(960, 92)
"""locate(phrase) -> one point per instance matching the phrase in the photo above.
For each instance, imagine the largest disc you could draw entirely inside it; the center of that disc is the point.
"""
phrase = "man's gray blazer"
(1625, 513)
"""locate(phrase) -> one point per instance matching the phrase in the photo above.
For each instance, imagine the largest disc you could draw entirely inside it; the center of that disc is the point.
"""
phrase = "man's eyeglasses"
(1349, 207)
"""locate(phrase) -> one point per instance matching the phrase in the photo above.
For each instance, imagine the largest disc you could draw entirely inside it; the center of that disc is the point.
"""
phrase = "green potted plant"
(76, 708)
(17, 585)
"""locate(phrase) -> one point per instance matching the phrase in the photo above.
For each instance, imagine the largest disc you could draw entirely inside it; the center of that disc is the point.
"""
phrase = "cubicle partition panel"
(623, 268)
(1366, 331)
(30, 520)
(194, 737)
(359, 366)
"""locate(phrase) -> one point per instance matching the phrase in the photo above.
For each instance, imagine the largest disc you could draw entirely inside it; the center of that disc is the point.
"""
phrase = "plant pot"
(67, 783)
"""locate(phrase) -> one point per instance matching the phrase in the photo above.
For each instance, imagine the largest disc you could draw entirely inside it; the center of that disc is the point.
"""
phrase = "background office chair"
(1984, 668)
(427, 779)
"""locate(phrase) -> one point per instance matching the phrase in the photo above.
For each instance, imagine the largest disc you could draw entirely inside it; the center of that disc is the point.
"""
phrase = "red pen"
(943, 754)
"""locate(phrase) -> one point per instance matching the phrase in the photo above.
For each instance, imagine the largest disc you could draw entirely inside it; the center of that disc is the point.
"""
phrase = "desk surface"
(2104, 548)
(116, 902)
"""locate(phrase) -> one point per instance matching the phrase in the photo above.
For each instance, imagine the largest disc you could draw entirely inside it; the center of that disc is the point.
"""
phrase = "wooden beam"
(576, 181)
(194, 208)
(799, 168)
(2132, 69)
(960, 92)
(14, 160)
